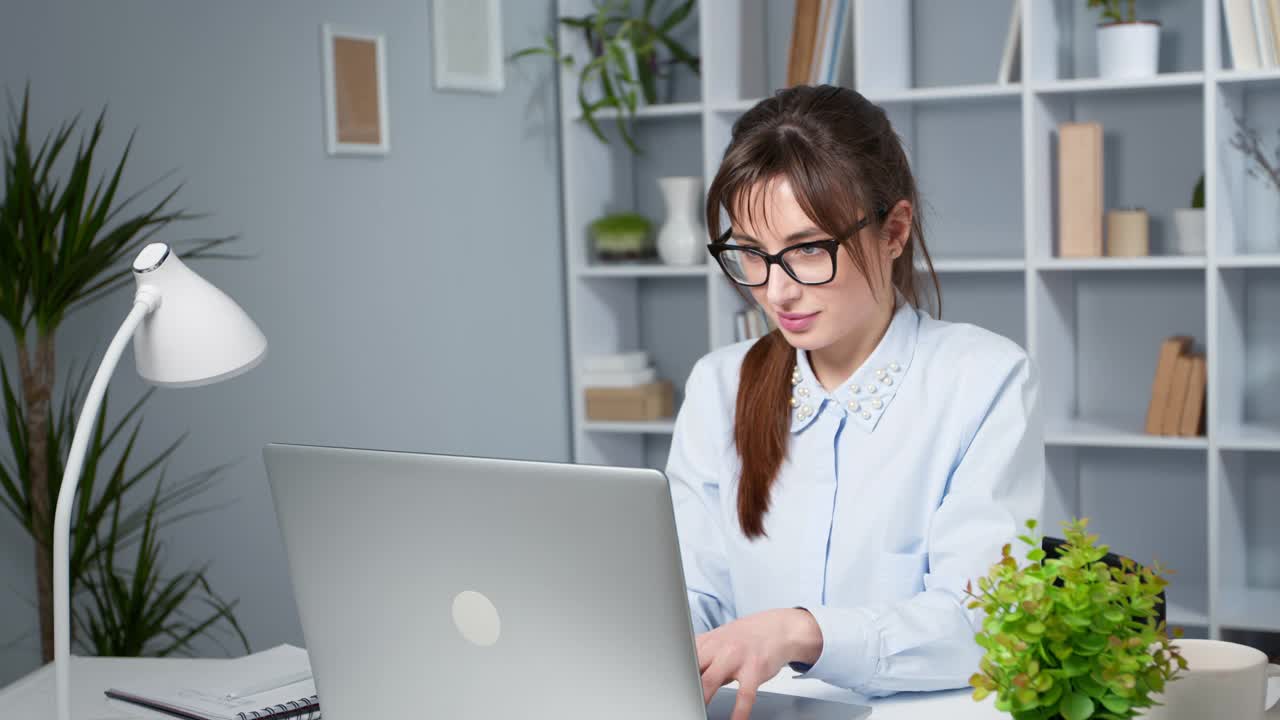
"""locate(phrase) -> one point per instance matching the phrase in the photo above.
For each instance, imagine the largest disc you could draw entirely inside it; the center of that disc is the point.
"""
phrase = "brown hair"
(843, 161)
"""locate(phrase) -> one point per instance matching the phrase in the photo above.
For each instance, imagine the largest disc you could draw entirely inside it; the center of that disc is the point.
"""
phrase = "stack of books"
(1178, 390)
(817, 55)
(1253, 33)
(625, 387)
(751, 323)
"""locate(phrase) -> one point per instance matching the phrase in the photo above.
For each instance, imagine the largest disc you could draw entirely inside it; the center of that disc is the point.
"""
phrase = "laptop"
(462, 587)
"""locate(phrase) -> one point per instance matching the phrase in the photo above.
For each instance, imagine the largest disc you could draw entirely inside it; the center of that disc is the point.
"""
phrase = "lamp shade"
(197, 334)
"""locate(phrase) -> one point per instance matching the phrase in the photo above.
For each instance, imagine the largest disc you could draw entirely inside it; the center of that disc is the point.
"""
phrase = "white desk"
(31, 698)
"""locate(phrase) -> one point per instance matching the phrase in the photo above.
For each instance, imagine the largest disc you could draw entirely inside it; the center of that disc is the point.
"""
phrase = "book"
(804, 29)
(1241, 36)
(274, 683)
(1170, 349)
(1080, 189)
(819, 43)
(616, 362)
(619, 378)
(827, 61)
(1192, 419)
(1262, 31)
(1009, 64)
(1275, 24)
(1171, 417)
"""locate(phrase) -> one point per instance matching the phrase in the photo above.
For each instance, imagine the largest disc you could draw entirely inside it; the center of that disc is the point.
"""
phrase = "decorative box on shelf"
(651, 401)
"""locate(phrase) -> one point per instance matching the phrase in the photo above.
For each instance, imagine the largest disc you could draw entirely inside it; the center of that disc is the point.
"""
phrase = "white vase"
(1128, 50)
(682, 239)
(1189, 224)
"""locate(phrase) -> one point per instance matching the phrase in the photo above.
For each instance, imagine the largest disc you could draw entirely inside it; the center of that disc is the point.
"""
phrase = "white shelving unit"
(985, 156)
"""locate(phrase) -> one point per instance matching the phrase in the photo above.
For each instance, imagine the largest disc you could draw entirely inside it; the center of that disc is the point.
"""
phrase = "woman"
(839, 481)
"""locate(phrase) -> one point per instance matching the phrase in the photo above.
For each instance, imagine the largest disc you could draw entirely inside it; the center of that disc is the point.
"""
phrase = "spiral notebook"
(274, 683)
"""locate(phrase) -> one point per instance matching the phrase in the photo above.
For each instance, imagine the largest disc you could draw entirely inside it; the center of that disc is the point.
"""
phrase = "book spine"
(1238, 15)
(1192, 419)
(1262, 31)
(1171, 419)
(1161, 383)
(803, 28)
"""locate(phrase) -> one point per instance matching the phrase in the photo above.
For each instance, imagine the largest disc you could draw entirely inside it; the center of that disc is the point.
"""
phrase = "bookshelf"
(1207, 506)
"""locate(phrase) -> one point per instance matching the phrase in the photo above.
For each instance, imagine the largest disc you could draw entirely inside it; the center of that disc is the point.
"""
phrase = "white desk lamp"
(186, 332)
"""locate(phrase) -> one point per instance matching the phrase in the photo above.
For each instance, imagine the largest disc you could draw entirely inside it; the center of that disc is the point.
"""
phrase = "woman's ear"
(897, 227)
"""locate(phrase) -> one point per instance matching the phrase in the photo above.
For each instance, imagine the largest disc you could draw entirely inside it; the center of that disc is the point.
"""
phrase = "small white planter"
(1128, 50)
(1189, 224)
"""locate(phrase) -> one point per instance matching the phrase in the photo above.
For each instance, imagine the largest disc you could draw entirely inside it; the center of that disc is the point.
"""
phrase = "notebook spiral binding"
(305, 709)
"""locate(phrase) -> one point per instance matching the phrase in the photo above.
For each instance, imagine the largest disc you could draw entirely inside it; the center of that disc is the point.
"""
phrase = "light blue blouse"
(898, 488)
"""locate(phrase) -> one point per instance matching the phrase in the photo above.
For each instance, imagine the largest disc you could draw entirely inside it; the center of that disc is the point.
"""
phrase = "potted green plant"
(622, 236)
(631, 55)
(67, 236)
(1072, 637)
(1189, 222)
(1127, 47)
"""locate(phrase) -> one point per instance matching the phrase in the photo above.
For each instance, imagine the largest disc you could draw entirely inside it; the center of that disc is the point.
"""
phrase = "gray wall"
(413, 301)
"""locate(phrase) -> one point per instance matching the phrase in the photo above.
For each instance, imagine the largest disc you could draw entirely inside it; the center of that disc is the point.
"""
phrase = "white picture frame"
(473, 62)
(355, 62)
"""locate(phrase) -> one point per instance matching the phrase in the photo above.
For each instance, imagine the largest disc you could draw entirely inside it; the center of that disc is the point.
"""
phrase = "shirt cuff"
(850, 647)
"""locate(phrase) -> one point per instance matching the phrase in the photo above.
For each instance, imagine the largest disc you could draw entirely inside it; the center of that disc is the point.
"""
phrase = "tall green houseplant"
(66, 239)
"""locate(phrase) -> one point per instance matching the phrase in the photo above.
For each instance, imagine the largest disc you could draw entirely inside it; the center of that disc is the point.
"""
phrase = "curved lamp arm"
(144, 303)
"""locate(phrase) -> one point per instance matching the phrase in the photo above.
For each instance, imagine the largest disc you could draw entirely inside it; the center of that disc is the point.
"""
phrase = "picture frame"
(355, 91)
(473, 61)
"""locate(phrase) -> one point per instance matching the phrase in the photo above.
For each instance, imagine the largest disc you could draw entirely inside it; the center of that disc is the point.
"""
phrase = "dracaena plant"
(67, 235)
(629, 53)
(1072, 637)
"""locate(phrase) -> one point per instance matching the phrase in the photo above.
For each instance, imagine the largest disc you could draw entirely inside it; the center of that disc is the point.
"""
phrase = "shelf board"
(1173, 262)
(641, 270)
(978, 265)
(1246, 608)
(1250, 437)
(659, 110)
(656, 427)
(962, 93)
(1233, 77)
(1112, 433)
(1250, 261)
(1096, 85)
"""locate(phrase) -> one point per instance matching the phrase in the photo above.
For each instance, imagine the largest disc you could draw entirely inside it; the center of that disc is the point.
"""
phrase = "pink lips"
(796, 322)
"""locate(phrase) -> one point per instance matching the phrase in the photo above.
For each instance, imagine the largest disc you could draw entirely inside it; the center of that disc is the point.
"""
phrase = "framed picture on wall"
(355, 91)
(467, 40)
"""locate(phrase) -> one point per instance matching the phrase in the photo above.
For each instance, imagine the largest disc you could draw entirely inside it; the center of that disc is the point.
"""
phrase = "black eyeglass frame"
(831, 246)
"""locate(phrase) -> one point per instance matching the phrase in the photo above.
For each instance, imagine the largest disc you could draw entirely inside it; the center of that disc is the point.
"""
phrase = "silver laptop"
(456, 587)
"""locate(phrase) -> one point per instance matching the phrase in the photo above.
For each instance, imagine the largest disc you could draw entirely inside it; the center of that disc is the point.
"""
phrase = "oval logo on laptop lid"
(476, 618)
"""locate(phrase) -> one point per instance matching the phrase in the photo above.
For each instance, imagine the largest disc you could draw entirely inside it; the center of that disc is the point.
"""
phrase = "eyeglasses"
(809, 263)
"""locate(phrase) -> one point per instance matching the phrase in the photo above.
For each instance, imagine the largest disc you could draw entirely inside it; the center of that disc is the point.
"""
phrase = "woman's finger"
(715, 677)
(747, 685)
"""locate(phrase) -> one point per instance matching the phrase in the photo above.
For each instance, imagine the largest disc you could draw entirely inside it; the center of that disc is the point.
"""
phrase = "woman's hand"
(753, 649)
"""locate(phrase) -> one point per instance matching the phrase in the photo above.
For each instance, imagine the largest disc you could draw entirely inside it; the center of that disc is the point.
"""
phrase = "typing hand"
(752, 650)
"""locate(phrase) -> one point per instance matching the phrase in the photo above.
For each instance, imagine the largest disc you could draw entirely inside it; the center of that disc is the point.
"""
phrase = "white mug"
(1222, 680)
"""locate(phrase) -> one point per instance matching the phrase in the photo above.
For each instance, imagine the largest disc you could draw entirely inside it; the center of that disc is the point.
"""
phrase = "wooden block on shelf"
(651, 401)
(1192, 421)
(1170, 349)
(1171, 418)
(1080, 189)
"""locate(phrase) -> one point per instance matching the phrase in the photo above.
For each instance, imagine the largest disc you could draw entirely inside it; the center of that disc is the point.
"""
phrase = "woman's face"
(817, 317)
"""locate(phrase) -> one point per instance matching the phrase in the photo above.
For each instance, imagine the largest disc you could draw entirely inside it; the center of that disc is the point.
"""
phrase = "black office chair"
(1052, 547)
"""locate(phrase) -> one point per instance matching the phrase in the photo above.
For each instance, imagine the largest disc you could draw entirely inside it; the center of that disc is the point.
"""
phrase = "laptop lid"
(463, 587)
